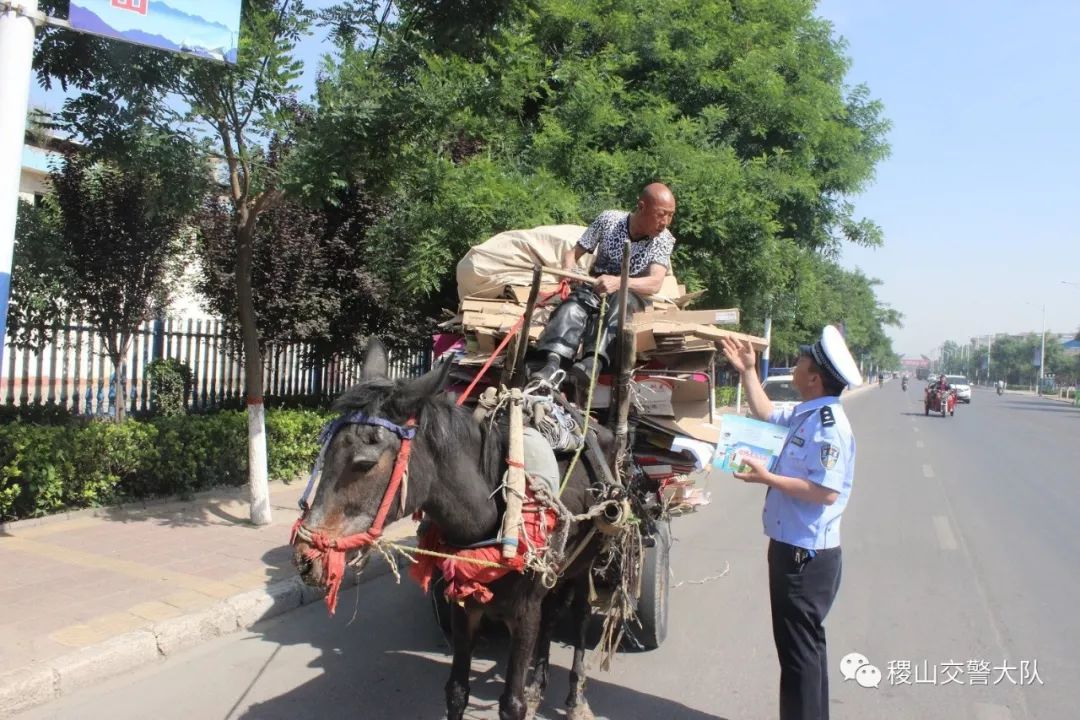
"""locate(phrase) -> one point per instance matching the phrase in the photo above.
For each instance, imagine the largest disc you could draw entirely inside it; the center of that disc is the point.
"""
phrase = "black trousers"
(801, 592)
(575, 321)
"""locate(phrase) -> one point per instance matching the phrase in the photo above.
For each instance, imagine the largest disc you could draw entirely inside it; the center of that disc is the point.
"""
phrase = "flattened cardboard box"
(728, 316)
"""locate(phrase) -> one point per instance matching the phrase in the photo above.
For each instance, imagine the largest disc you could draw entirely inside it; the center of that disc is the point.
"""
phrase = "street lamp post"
(1042, 352)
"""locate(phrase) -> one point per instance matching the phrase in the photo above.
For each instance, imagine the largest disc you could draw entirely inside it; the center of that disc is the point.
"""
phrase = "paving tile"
(154, 610)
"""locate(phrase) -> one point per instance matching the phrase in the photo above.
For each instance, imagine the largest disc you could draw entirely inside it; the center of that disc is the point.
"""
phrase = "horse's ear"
(428, 385)
(376, 360)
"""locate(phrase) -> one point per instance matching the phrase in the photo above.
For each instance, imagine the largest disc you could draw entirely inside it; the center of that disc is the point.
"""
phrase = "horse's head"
(360, 454)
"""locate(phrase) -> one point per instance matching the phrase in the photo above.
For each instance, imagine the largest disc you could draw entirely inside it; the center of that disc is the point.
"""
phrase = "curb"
(39, 683)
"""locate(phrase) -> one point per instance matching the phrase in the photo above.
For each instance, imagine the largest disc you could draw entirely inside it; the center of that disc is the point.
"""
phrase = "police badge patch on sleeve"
(829, 455)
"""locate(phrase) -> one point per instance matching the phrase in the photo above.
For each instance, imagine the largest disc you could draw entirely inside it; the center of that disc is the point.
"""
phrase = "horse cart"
(536, 498)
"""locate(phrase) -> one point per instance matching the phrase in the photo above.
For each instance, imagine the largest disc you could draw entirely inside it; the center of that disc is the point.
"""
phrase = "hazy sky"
(980, 197)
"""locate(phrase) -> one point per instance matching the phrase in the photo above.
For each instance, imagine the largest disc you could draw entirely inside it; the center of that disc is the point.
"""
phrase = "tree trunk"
(253, 370)
(117, 358)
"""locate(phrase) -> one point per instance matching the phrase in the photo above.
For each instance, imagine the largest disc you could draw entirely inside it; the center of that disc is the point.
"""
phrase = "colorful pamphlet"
(741, 437)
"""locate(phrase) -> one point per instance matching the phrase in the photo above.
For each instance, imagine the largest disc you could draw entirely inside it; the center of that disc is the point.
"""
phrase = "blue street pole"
(16, 59)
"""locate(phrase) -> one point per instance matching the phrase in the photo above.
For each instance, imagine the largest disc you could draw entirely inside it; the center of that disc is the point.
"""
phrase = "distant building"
(34, 176)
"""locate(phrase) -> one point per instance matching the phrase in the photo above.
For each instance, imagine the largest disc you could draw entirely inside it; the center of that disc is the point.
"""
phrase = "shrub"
(84, 463)
(725, 396)
(170, 382)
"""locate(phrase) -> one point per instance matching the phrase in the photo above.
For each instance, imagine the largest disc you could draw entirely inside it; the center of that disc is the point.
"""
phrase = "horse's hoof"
(580, 712)
(532, 703)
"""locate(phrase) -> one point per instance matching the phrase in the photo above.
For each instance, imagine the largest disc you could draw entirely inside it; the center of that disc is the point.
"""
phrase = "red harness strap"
(333, 550)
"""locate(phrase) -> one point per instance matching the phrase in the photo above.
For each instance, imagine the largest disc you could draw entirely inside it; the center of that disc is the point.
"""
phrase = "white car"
(781, 391)
(960, 384)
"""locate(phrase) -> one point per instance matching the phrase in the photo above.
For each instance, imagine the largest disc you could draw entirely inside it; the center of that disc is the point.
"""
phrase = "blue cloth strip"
(331, 429)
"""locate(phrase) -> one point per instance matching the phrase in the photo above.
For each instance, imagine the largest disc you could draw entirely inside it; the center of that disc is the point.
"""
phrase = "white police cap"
(832, 355)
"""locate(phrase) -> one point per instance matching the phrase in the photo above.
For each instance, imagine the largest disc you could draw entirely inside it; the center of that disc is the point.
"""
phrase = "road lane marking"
(915, 428)
(927, 471)
(986, 711)
(919, 444)
(945, 536)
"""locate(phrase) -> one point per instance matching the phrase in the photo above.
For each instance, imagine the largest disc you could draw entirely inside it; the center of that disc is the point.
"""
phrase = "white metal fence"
(73, 370)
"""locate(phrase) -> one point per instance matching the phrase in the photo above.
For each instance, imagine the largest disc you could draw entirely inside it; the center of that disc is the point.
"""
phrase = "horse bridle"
(332, 550)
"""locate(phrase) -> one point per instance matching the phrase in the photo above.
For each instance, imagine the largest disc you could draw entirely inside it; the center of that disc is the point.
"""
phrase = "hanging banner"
(204, 28)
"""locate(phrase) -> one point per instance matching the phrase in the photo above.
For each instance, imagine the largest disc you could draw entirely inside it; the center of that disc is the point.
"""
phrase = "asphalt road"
(960, 547)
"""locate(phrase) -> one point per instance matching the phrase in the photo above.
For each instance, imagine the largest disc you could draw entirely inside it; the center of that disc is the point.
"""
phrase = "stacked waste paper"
(672, 386)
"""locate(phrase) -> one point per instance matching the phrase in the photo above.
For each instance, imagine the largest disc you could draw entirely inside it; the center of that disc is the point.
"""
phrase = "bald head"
(657, 193)
(655, 210)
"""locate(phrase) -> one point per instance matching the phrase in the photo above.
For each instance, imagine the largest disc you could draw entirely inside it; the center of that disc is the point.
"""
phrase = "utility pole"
(16, 58)
(1042, 351)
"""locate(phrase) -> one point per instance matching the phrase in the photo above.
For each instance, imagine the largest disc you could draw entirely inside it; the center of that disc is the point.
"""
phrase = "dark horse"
(455, 465)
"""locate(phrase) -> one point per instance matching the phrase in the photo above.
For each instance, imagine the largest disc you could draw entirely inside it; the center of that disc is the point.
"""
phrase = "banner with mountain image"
(205, 28)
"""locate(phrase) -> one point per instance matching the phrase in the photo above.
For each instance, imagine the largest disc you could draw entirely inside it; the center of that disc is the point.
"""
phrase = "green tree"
(235, 109)
(120, 233)
(39, 279)
(519, 114)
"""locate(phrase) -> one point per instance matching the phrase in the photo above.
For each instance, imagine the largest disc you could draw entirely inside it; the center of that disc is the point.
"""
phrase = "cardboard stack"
(672, 388)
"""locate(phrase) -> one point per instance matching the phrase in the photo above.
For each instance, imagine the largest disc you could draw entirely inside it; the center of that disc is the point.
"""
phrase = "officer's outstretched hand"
(740, 353)
(758, 473)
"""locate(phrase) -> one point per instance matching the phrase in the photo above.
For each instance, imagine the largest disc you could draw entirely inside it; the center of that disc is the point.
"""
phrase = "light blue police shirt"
(820, 447)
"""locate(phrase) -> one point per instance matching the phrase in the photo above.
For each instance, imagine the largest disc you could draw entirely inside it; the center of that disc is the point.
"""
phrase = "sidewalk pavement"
(97, 593)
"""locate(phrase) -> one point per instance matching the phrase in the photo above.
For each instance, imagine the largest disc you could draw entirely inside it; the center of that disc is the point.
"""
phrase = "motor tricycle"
(938, 399)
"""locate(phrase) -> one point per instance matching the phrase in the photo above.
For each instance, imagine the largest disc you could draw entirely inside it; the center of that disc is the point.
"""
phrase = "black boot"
(554, 361)
(582, 371)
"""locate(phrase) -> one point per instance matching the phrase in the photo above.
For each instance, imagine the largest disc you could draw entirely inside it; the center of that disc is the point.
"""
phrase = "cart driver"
(807, 492)
(650, 259)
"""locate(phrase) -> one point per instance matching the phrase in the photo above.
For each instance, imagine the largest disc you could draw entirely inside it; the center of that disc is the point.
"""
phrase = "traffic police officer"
(807, 491)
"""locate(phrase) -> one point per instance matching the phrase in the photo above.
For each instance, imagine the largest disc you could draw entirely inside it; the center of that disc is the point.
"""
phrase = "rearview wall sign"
(205, 28)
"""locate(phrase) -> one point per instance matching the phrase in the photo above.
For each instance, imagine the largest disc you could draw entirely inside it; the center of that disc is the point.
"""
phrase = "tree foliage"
(438, 124)
(40, 280)
(310, 277)
(517, 114)
(1013, 358)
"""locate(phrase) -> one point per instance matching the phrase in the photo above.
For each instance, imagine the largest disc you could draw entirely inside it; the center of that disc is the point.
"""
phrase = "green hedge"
(46, 469)
(725, 396)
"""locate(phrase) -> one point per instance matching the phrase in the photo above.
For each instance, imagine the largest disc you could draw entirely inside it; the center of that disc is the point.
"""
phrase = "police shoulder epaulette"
(827, 419)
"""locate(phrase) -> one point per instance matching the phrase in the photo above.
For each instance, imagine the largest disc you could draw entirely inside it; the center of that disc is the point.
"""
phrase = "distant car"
(960, 384)
(782, 392)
